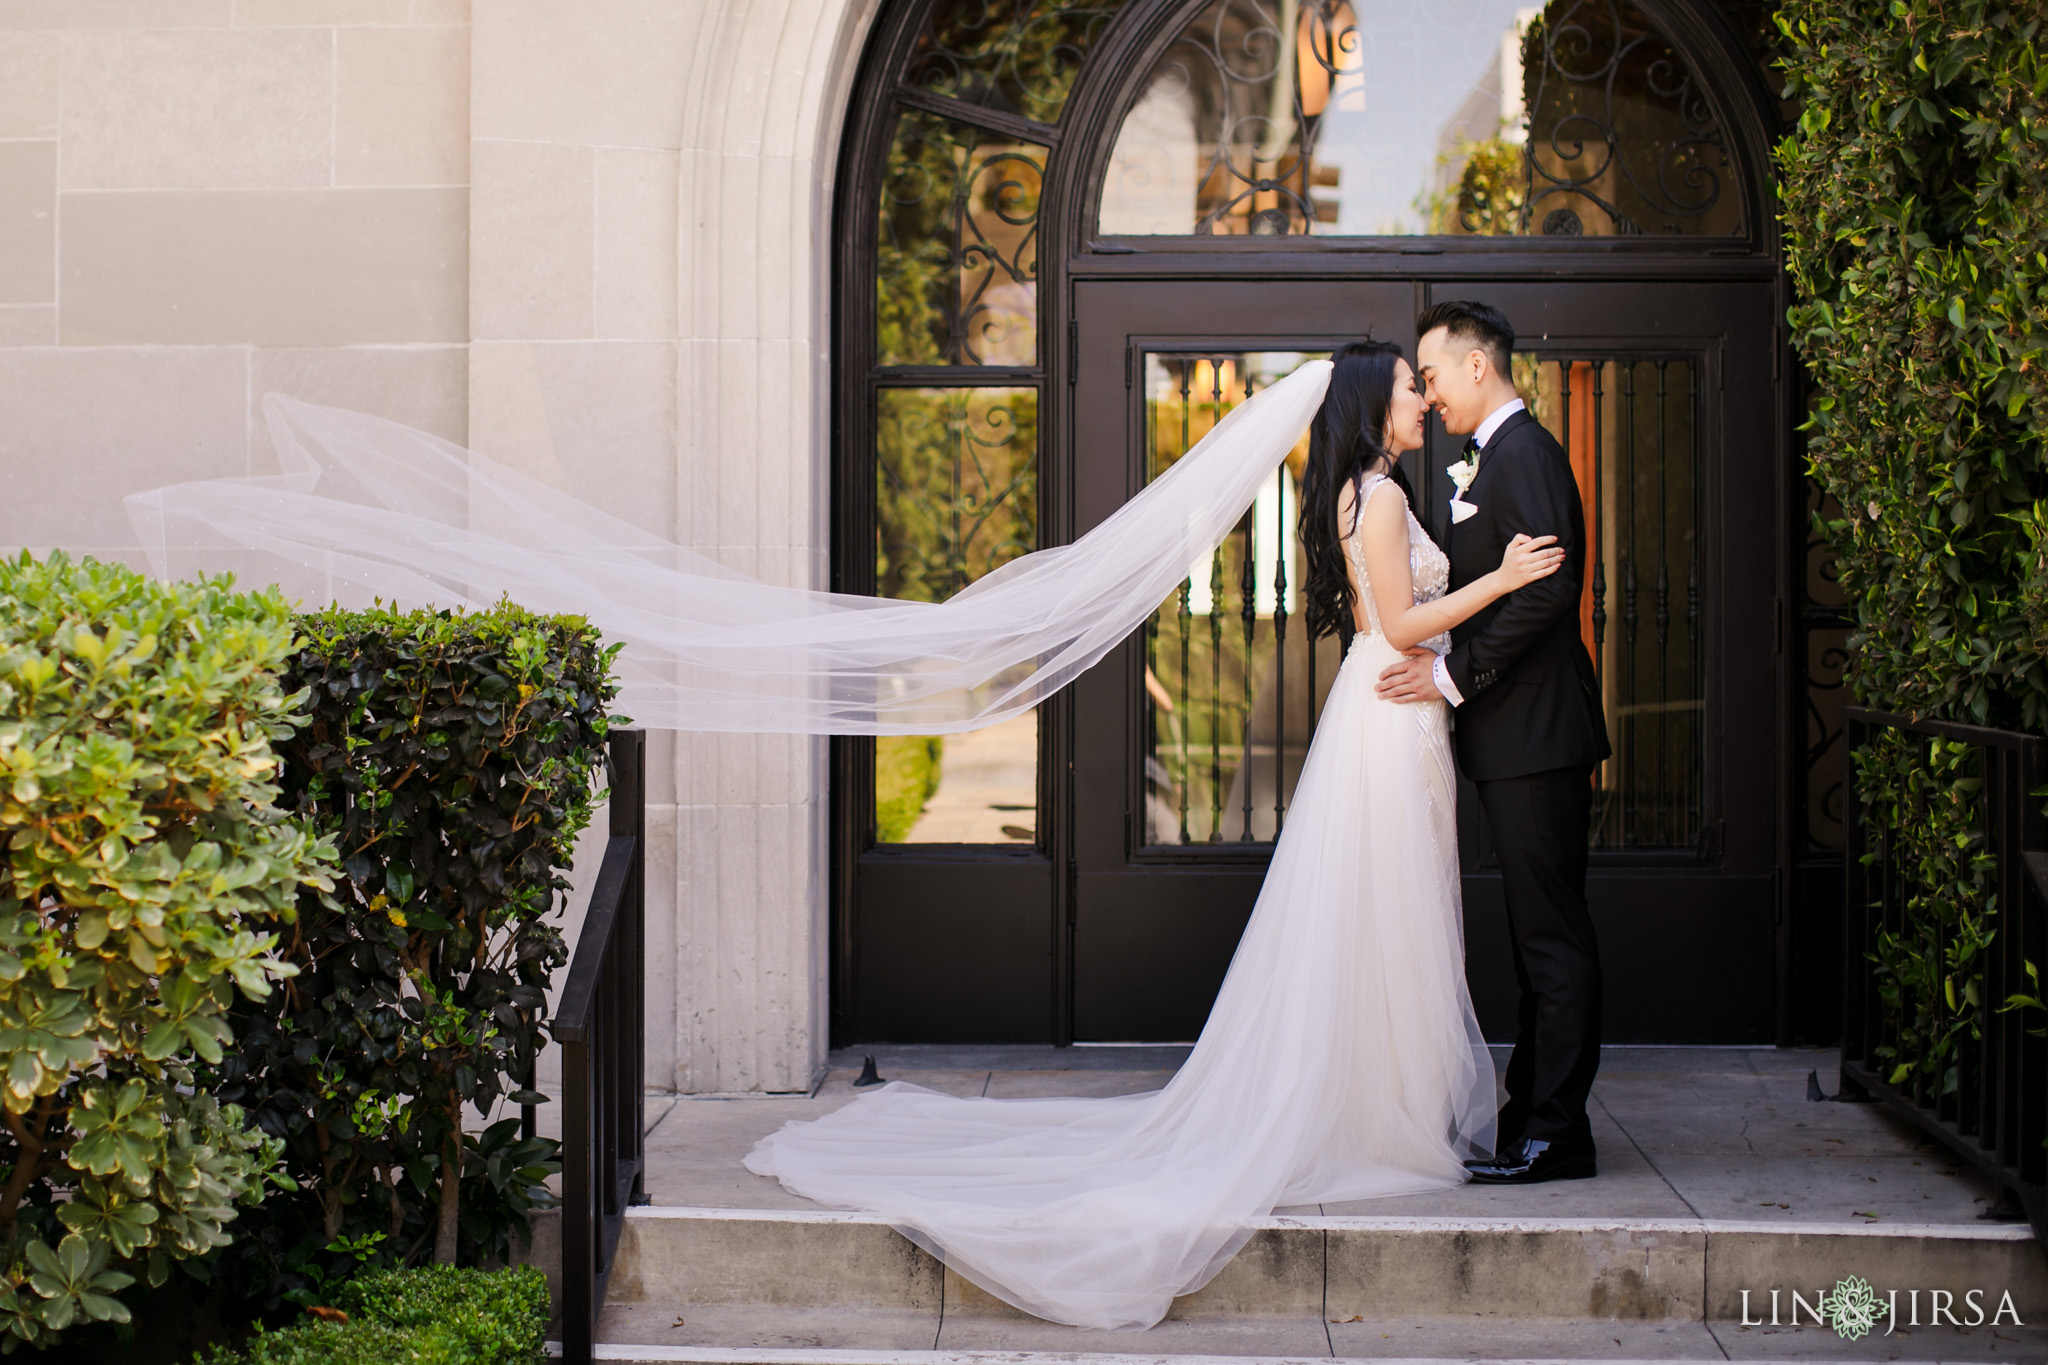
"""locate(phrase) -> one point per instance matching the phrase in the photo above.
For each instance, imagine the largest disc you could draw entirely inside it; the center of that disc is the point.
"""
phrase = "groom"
(1529, 732)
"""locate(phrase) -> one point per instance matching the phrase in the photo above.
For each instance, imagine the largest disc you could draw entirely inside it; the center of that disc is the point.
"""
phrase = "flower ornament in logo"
(1852, 1309)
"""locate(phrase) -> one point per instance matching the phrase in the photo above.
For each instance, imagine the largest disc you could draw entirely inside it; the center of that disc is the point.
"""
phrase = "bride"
(1341, 1060)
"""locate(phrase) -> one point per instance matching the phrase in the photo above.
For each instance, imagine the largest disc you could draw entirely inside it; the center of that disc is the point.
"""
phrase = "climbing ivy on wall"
(1915, 205)
(1916, 214)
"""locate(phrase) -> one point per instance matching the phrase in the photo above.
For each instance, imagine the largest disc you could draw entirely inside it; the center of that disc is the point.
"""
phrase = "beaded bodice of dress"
(1429, 568)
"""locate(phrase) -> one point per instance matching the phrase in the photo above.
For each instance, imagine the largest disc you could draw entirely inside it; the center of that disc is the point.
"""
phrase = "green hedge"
(452, 758)
(1915, 204)
(906, 778)
(146, 854)
(431, 1315)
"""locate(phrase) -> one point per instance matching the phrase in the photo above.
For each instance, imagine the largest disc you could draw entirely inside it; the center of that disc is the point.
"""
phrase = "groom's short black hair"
(1474, 324)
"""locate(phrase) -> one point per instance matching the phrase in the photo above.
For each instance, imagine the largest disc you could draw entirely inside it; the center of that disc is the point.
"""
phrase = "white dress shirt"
(1437, 671)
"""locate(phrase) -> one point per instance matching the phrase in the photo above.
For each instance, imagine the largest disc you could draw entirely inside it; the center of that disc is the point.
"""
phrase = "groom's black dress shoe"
(1532, 1161)
(1507, 1141)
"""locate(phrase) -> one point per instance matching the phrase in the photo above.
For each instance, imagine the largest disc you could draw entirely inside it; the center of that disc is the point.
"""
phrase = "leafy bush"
(1916, 216)
(143, 837)
(432, 1315)
(450, 756)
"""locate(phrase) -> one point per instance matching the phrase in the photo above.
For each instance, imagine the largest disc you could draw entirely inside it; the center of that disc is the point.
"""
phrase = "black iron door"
(1186, 742)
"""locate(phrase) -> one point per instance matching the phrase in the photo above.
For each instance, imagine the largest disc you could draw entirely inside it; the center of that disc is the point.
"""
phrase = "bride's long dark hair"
(1345, 442)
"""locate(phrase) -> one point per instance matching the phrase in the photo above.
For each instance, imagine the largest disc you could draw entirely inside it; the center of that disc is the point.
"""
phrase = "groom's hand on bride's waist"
(1409, 680)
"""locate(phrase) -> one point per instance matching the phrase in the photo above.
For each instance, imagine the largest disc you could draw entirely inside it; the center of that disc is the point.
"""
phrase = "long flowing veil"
(1342, 1059)
(367, 508)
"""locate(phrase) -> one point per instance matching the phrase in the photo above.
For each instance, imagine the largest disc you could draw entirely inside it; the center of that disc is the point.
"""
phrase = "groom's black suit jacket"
(1532, 702)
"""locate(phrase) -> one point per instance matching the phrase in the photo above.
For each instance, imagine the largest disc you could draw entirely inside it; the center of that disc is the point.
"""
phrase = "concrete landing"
(1682, 1132)
(1717, 1176)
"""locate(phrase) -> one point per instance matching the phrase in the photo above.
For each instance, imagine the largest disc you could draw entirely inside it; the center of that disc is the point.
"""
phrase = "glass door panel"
(1631, 427)
(1232, 687)
(1188, 740)
(956, 496)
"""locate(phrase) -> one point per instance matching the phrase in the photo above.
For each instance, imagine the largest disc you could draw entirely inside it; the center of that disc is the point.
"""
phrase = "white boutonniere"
(1462, 473)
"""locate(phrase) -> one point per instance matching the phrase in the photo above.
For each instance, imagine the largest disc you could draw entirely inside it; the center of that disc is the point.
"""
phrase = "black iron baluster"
(1215, 640)
(1153, 764)
(598, 1023)
(1181, 730)
(956, 552)
(1564, 398)
(1628, 608)
(1596, 551)
(957, 260)
(1187, 620)
(1281, 554)
(1248, 612)
(1309, 702)
(1603, 792)
(1697, 786)
(1663, 616)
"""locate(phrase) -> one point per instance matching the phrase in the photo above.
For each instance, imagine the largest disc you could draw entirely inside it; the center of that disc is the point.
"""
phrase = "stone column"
(651, 196)
(767, 98)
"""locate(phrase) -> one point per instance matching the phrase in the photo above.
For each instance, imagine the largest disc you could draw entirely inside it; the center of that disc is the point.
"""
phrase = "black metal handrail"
(1996, 1115)
(599, 1024)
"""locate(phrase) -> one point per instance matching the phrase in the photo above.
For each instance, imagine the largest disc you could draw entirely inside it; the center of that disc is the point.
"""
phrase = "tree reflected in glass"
(1472, 117)
(957, 261)
(1017, 58)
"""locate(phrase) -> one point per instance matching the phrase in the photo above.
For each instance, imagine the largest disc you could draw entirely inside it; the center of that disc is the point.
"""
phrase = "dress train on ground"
(1342, 1060)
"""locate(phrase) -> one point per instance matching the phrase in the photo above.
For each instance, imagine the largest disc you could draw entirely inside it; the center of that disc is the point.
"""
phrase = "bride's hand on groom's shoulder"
(1529, 558)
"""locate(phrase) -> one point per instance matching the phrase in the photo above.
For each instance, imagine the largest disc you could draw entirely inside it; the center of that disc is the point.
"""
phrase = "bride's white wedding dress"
(1342, 1059)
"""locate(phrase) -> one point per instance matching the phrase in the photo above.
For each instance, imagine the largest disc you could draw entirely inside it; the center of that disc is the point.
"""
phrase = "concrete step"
(1525, 1344)
(696, 1356)
(1337, 1267)
(1716, 1175)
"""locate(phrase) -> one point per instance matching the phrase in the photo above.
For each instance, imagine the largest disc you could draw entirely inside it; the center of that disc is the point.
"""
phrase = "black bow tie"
(1472, 446)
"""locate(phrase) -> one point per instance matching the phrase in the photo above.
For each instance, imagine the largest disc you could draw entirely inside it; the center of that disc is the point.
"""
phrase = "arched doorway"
(1072, 236)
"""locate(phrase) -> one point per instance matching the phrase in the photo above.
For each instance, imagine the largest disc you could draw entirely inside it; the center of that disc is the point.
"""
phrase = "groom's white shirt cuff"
(1442, 676)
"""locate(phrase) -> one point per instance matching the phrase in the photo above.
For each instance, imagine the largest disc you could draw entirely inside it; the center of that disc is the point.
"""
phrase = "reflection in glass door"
(1232, 684)
(1233, 689)
(955, 468)
(1480, 117)
(956, 496)
(1631, 428)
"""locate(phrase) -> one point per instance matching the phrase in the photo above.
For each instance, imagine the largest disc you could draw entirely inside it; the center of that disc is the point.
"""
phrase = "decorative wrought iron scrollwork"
(957, 262)
(956, 487)
(1601, 130)
(1617, 124)
(1235, 65)
(1016, 56)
